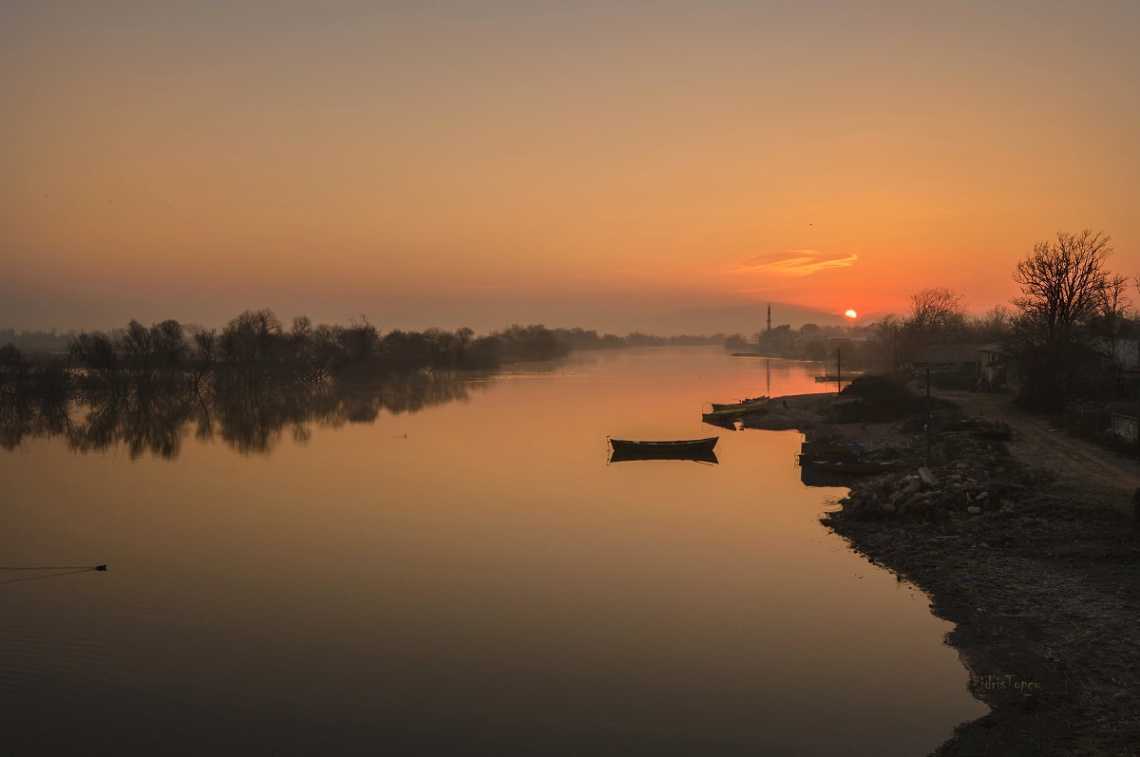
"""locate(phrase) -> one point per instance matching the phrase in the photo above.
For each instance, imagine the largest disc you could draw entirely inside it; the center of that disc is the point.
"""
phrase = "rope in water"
(58, 567)
(67, 570)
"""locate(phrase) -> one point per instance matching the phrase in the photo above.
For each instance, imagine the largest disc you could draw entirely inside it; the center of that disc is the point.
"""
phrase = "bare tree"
(995, 325)
(1063, 283)
(891, 342)
(1064, 288)
(937, 308)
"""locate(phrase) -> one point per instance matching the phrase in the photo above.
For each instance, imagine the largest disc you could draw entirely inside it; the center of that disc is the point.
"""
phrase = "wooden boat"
(700, 450)
(685, 445)
(831, 450)
(831, 378)
(752, 404)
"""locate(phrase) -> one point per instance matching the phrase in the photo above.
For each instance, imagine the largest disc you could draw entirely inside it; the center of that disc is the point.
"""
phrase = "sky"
(578, 163)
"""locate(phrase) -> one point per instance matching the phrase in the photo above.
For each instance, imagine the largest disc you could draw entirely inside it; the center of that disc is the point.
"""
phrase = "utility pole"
(929, 418)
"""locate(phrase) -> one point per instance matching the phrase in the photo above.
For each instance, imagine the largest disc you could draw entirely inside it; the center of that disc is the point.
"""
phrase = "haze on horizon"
(580, 163)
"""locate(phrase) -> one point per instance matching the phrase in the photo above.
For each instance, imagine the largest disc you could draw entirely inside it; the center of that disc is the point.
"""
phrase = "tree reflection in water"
(252, 420)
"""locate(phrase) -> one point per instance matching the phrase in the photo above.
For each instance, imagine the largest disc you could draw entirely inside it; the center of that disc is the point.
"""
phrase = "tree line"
(1064, 337)
(255, 349)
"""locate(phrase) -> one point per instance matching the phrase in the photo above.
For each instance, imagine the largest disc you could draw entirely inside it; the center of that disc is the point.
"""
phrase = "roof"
(996, 348)
(947, 353)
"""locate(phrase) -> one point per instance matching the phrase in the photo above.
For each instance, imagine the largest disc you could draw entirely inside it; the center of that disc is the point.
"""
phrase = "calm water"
(488, 584)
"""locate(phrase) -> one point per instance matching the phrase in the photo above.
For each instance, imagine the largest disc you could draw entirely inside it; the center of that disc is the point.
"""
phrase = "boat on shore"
(751, 404)
(700, 450)
(831, 378)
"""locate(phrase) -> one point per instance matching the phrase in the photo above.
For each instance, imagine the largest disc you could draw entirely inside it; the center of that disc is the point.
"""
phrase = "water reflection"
(23, 417)
(697, 456)
(250, 420)
(489, 586)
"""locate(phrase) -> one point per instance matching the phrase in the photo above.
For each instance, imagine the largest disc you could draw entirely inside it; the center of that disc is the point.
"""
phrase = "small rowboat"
(743, 406)
(688, 449)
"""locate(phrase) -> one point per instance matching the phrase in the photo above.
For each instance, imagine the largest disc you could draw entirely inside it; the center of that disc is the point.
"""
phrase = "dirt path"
(1043, 588)
(1079, 465)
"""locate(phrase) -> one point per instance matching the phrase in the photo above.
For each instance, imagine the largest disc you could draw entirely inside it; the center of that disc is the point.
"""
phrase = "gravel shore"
(1038, 567)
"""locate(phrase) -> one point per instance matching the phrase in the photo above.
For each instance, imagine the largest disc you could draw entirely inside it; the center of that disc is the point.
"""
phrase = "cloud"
(794, 263)
(478, 287)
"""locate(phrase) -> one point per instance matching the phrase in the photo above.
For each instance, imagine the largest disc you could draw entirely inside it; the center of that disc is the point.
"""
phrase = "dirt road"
(1081, 466)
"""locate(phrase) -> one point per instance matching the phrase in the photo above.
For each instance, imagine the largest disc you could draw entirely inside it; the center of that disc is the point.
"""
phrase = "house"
(1126, 426)
(997, 366)
(947, 358)
(1124, 353)
(951, 366)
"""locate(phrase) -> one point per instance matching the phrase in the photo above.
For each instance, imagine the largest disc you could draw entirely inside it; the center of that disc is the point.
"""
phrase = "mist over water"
(467, 575)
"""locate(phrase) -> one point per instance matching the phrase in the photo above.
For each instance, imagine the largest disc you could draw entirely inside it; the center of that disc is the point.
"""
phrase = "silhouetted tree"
(100, 363)
(1064, 286)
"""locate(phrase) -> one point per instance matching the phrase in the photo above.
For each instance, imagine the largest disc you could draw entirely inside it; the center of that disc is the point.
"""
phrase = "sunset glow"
(851, 314)
(583, 164)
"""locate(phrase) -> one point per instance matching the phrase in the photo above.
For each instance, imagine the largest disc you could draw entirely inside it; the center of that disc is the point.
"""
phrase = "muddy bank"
(1037, 567)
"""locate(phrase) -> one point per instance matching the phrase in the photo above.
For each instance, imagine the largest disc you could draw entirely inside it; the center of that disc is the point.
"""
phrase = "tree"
(995, 325)
(1064, 288)
(937, 309)
(890, 340)
(1063, 283)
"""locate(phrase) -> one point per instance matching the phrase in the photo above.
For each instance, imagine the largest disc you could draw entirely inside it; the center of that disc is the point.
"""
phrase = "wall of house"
(1126, 426)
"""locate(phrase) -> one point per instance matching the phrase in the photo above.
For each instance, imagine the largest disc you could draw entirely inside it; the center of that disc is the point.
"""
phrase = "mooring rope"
(57, 567)
(68, 570)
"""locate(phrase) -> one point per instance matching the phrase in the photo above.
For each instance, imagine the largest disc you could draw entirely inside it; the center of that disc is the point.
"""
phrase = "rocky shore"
(1038, 567)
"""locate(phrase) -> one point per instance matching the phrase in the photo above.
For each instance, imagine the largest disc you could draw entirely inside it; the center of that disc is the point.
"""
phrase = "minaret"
(769, 316)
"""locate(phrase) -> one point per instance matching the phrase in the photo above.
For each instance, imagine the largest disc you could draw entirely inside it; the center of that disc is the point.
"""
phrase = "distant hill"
(742, 319)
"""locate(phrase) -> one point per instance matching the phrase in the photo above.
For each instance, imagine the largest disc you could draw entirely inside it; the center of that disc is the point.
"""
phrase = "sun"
(851, 314)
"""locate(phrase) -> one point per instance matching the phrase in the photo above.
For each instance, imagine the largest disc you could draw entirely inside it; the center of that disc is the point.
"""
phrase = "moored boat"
(697, 450)
(681, 446)
(746, 405)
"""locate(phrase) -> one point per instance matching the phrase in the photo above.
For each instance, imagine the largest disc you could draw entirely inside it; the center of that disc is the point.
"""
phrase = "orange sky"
(573, 163)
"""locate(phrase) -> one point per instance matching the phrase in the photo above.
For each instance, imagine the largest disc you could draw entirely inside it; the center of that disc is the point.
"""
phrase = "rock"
(927, 477)
(982, 497)
(895, 498)
(912, 486)
(889, 507)
(974, 510)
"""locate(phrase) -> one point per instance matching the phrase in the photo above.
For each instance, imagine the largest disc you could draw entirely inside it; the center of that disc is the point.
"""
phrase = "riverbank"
(1037, 566)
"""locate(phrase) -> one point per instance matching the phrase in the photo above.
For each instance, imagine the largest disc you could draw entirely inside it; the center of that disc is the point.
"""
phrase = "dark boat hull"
(686, 449)
(755, 404)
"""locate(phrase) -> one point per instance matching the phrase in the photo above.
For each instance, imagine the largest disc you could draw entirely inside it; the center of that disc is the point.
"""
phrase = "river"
(465, 576)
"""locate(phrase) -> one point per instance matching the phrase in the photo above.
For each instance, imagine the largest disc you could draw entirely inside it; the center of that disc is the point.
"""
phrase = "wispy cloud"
(477, 287)
(793, 263)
